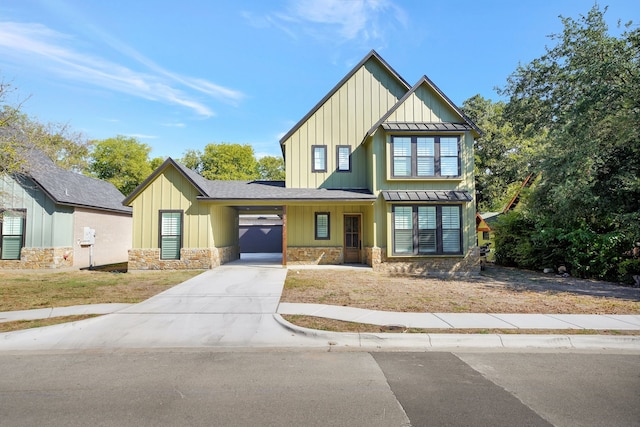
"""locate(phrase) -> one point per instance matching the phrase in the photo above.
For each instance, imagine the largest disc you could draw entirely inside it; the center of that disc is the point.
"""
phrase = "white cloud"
(362, 20)
(51, 51)
(142, 136)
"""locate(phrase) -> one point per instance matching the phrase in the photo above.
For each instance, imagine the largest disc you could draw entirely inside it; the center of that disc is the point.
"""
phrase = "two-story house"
(378, 172)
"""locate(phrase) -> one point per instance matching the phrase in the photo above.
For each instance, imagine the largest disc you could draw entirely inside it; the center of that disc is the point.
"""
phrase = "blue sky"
(180, 75)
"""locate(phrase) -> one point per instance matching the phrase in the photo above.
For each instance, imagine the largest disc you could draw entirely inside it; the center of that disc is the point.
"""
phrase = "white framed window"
(322, 230)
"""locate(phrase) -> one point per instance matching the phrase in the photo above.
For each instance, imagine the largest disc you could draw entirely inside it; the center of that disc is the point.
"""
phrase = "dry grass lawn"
(496, 290)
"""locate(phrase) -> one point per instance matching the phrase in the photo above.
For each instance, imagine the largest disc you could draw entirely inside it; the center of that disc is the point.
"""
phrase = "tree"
(271, 168)
(122, 161)
(585, 93)
(502, 157)
(223, 162)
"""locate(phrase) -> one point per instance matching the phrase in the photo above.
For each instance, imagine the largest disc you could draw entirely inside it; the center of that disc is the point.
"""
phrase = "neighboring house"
(485, 221)
(54, 218)
(378, 172)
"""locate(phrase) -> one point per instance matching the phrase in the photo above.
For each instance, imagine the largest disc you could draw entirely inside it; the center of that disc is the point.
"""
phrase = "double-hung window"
(12, 231)
(170, 234)
(318, 158)
(427, 230)
(425, 156)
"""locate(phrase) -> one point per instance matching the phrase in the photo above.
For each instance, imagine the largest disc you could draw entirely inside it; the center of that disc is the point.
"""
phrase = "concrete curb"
(452, 340)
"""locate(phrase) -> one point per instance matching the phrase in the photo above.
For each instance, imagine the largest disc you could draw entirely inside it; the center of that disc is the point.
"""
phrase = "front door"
(352, 239)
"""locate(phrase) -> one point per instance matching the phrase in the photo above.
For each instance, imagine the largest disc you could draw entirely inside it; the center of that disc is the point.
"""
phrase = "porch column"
(284, 236)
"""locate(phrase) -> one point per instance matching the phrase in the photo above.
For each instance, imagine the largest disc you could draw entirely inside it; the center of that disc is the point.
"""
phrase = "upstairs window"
(343, 157)
(319, 158)
(425, 156)
(12, 231)
(170, 234)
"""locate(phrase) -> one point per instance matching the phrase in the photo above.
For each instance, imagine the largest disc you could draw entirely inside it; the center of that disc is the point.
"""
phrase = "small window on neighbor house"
(486, 235)
(170, 234)
(12, 230)
(343, 155)
(322, 226)
(319, 158)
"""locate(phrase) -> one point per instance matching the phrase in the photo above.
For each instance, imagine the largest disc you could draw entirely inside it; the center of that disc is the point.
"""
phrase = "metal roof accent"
(441, 196)
(422, 127)
(426, 81)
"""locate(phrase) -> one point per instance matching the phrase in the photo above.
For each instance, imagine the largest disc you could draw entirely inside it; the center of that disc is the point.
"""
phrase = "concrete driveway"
(232, 305)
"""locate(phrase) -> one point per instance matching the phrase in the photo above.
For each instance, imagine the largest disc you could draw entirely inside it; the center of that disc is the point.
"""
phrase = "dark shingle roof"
(252, 190)
(275, 190)
(441, 196)
(73, 189)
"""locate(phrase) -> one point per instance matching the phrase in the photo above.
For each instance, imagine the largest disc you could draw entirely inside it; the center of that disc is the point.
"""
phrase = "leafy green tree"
(223, 162)
(271, 168)
(503, 158)
(584, 92)
(123, 161)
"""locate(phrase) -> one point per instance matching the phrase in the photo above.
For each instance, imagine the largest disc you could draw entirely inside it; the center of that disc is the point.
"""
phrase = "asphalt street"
(250, 387)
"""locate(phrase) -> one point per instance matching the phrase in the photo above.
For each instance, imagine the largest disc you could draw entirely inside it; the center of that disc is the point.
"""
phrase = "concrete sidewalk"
(452, 321)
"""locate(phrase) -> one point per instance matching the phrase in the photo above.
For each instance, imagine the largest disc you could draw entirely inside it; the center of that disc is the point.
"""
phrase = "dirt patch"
(496, 290)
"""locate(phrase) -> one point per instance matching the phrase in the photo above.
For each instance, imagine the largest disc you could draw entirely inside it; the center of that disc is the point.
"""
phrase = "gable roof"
(466, 121)
(371, 55)
(212, 190)
(68, 188)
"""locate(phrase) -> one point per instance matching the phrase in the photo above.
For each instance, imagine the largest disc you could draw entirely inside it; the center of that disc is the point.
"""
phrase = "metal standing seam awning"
(440, 196)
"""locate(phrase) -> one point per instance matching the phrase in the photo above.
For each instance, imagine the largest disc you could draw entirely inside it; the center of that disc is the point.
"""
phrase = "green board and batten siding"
(47, 225)
(342, 119)
(170, 191)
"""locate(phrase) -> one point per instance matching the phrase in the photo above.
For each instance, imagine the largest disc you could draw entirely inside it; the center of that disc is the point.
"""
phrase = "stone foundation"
(315, 256)
(190, 258)
(40, 258)
(468, 265)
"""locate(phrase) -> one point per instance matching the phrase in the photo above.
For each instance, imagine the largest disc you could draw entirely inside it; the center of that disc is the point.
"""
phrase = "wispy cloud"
(51, 51)
(142, 136)
(362, 20)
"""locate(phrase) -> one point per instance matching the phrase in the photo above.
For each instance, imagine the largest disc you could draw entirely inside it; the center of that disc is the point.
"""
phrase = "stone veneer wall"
(190, 258)
(316, 255)
(40, 258)
(468, 265)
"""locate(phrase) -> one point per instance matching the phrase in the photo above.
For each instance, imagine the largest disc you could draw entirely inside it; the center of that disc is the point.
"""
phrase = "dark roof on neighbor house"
(440, 196)
(68, 188)
(252, 190)
(371, 54)
(428, 82)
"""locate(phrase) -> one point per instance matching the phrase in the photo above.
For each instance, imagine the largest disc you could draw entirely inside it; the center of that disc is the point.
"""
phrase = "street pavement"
(237, 305)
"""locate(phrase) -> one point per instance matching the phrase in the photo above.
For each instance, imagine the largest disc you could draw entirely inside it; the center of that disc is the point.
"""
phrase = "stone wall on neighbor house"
(40, 258)
(468, 265)
(190, 258)
(315, 255)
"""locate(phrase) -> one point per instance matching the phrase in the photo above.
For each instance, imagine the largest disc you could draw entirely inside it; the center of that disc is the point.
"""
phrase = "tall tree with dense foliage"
(223, 162)
(271, 168)
(585, 94)
(122, 161)
(503, 158)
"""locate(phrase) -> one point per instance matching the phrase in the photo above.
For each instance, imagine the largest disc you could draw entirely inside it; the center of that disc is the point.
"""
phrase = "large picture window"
(425, 156)
(170, 234)
(427, 230)
(12, 231)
